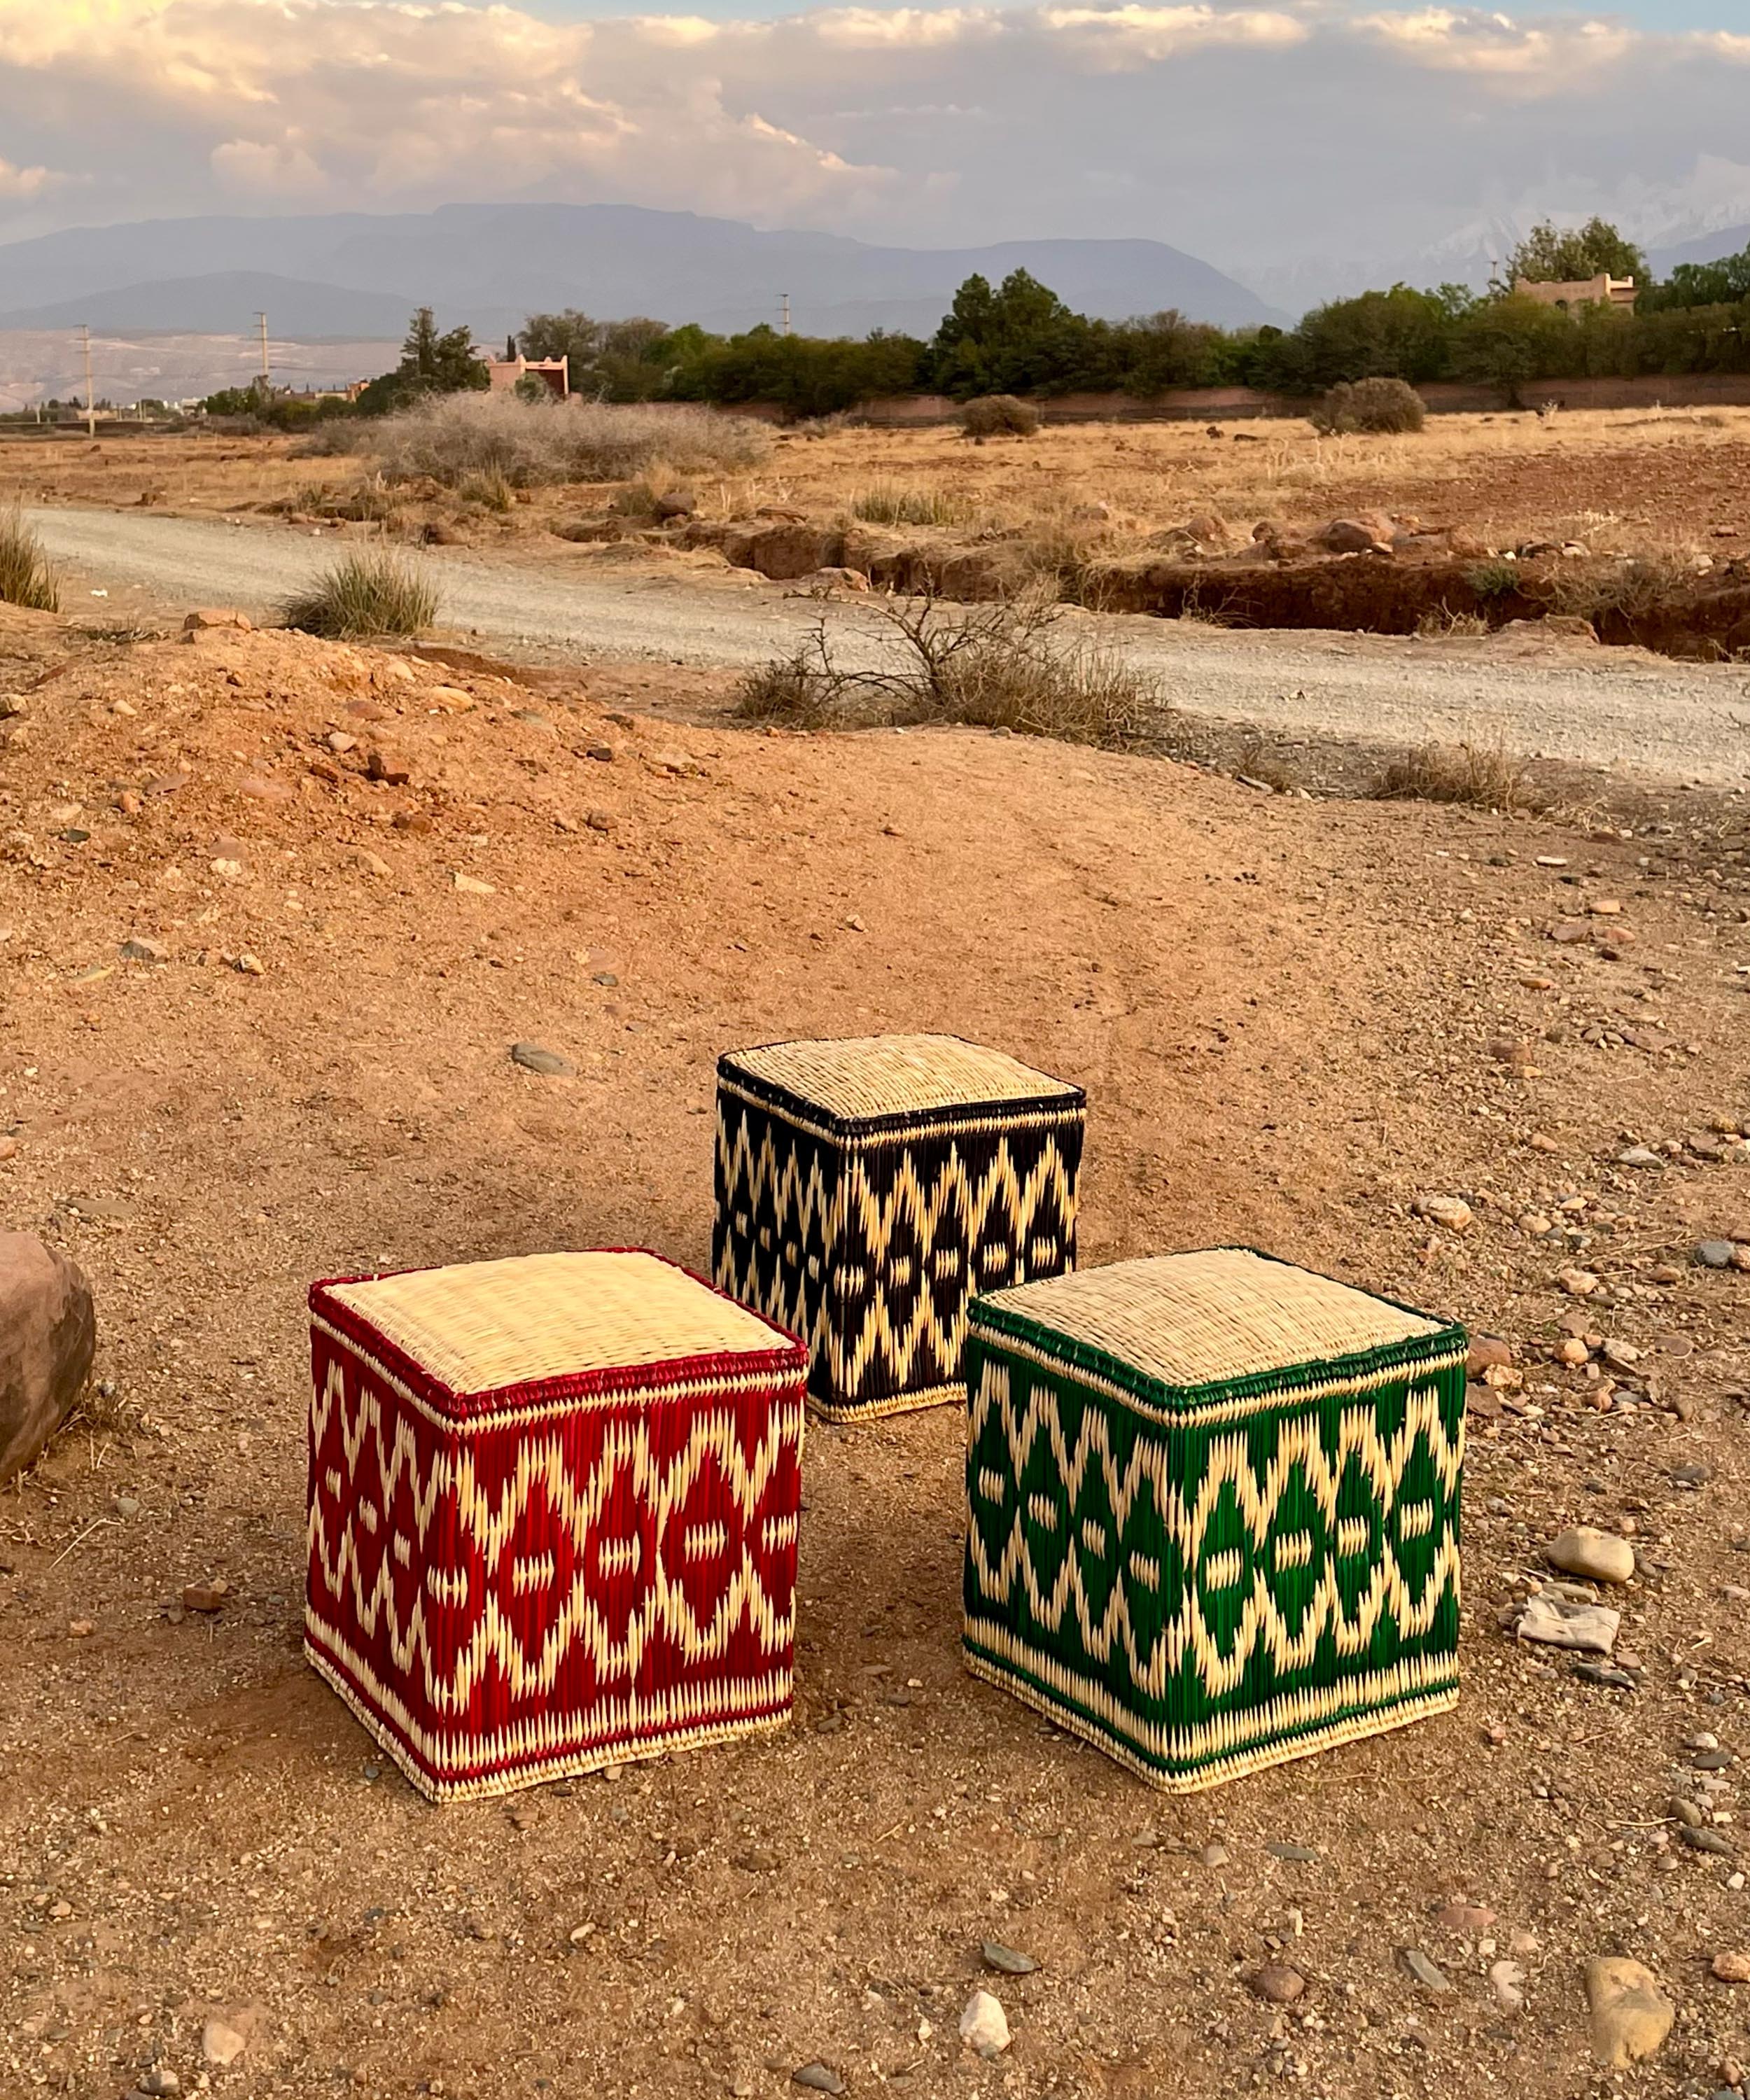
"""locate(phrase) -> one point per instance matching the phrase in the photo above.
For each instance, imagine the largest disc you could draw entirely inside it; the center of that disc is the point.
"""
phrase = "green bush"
(1374, 407)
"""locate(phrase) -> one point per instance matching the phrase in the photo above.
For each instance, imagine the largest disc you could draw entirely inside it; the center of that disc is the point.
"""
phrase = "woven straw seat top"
(1190, 1320)
(881, 1075)
(488, 1325)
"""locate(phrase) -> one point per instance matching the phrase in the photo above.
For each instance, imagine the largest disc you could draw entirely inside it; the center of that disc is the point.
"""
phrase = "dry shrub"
(491, 490)
(998, 415)
(892, 503)
(1497, 577)
(1374, 407)
(1634, 588)
(26, 578)
(374, 592)
(454, 435)
(1438, 623)
(996, 667)
(1486, 776)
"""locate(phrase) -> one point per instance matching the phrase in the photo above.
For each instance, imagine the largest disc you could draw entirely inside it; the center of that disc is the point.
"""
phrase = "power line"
(91, 399)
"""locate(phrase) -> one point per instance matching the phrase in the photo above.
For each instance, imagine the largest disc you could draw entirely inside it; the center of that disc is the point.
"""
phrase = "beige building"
(1603, 291)
(503, 373)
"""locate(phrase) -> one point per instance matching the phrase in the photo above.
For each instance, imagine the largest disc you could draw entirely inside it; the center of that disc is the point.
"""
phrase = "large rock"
(1631, 2016)
(48, 1335)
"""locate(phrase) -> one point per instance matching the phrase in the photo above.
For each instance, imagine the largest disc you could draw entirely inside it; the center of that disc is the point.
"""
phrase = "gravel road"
(1639, 714)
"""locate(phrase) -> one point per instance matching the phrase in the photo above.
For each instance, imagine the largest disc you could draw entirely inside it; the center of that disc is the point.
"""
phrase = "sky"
(1273, 138)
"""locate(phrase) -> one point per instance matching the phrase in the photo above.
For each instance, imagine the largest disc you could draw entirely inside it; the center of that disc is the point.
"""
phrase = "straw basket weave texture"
(1213, 1507)
(552, 1514)
(866, 1187)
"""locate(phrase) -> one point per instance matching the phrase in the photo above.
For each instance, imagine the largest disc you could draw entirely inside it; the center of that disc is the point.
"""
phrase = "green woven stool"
(1213, 1506)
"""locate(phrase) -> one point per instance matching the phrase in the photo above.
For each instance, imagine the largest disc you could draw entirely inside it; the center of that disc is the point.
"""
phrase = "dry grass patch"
(375, 593)
(26, 579)
(530, 442)
(1488, 776)
(892, 503)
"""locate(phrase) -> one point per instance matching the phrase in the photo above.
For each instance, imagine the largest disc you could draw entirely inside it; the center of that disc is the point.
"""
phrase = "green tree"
(1020, 338)
(1548, 256)
(1508, 343)
(1398, 334)
(440, 363)
(1719, 284)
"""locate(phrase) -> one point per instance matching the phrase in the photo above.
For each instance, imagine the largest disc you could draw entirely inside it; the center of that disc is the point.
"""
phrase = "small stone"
(383, 765)
(248, 964)
(1732, 1967)
(605, 978)
(1604, 907)
(1454, 1212)
(1275, 1983)
(127, 1507)
(602, 753)
(1008, 1960)
(1469, 1919)
(817, 2078)
(1572, 1351)
(138, 948)
(211, 616)
(984, 2025)
(1714, 1254)
(470, 885)
(1631, 2016)
(1506, 1980)
(1577, 1282)
(1278, 1850)
(205, 1596)
(1214, 1854)
(1621, 1356)
(1704, 1840)
(533, 1058)
(1597, 1556)
(160, 2082)
(220, 2042)
(1639, 1155)
(369, 863)
(81, 1630)
(600, 820)
(1424, 1971)
(1686, 1812)
(1662, 1271)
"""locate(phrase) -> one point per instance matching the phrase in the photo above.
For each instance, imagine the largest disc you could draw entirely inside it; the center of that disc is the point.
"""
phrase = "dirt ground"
(1619, 481)
(1293, 1017)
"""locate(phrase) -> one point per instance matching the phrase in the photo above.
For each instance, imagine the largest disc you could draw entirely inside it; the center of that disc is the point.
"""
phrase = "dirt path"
(1617, 709)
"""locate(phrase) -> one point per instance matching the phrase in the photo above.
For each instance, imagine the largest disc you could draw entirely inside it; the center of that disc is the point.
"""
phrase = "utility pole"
(91, 399)
(266, 369)
(784, 298)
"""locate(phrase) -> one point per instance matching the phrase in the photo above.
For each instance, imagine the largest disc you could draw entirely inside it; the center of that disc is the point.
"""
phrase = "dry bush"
(1486, 776)
(373, 593)
(26, 578)
(997, 667)
(998, 415)
(1633, 587)
(1440, 624)
(332, 438)
(1497, 577)
(531, 442)
(1373, 407)
(491, 490)
(892, 503)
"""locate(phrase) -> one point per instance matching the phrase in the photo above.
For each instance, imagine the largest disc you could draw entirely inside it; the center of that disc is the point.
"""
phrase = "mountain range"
(360, 273)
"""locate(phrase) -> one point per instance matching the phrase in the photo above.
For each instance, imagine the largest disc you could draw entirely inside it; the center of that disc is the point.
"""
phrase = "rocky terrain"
(273, 913)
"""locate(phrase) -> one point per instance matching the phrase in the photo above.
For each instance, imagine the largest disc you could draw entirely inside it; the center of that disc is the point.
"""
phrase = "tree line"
(1019, 337)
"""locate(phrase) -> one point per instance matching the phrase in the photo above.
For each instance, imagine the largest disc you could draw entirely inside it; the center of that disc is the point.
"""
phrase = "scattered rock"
(1577, 1282)
(1469, 1919)
(138, 948)
(1600, 1556)
(1714, 1254)
(1703, 1839)
(817, 2078)
(1555, 1621)
(48, 1336)
(1454, 1212)
(1732, 1967)
(1213, 1854)
(471, 885)
(1488, 1352)
(159, 2082)
(221, 2044)
(1275, 1983)
(1631, 2016)
(533, 1058)
(207, 616)
(1425, 1971)
(600, 820)
(1639, 1155)
(1506, 1980)
(984, 2026)
(205, 1596)
(383, 765)
(1008, 1960)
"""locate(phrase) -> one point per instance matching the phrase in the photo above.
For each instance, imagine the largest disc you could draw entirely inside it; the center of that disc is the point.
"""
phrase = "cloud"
(1248, 132)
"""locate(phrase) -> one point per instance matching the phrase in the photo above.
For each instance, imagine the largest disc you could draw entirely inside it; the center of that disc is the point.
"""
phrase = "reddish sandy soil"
(1282, 1010)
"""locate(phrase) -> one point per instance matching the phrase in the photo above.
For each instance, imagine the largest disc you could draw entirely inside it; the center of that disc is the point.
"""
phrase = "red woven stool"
(552, 1515)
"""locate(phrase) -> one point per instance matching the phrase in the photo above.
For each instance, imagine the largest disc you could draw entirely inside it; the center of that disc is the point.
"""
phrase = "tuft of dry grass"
(892, 503)
(995, 667)
(26, 579)
(1488, 776)
(1633, 587)
(368, 593)
(1438, 625)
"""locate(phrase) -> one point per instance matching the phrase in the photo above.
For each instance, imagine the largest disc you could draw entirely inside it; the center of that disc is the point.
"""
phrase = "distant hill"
(489, 265)
(221, 303)
(1707, 247)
